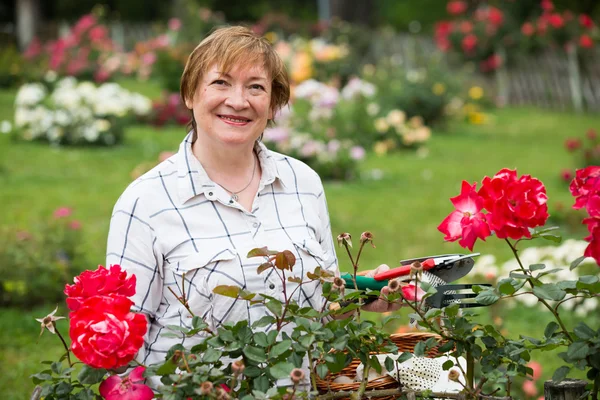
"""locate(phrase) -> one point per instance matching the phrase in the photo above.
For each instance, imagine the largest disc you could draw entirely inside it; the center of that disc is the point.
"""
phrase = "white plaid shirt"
(175, 220)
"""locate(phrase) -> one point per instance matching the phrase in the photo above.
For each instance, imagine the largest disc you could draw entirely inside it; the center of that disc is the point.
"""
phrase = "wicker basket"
(404, 341)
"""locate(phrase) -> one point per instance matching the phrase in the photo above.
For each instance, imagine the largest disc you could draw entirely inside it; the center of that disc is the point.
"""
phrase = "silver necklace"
(234, 195)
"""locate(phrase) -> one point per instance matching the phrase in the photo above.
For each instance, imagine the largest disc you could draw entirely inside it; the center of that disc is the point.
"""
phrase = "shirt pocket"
(189, 277)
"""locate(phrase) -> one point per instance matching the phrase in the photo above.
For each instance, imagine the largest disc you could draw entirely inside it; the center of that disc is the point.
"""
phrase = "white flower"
(50, 76)
(357, 87)
(30, 94)
(381, 125)
(141, 105)
(90, 133)
(5, 126)
(396, 118)
(62, 117)
(21, 117)
(102, 125)
(373, 109)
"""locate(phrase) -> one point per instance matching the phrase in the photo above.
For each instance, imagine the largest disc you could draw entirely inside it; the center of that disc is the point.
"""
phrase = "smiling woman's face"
(232, 108)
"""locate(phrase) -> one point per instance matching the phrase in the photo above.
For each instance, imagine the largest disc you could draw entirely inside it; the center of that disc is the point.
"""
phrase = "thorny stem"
(64, 344)
(313, 380)
(363, 384)
(470, 369)
(544, 302)
(187, 367)
(182, 301)
(571, 298)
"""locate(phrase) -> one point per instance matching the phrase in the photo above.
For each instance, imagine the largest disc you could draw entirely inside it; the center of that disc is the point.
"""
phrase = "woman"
(186, 226)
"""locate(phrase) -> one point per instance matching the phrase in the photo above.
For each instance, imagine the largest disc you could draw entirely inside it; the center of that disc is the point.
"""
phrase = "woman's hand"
(382, 304)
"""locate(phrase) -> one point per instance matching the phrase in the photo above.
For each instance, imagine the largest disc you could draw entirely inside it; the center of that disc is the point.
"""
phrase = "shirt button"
(230, 201)
(272, 286)
(255, 225)
(210, 193)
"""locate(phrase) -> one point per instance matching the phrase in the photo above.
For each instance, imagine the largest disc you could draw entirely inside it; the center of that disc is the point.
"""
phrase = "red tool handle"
(403, 270)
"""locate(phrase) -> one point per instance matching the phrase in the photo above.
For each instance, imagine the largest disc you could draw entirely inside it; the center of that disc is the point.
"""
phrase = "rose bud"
(394, 285)
(297, 375)
(344, 239)
(237, 367)
(416, 269)
(206, 388)
(338, 284)
(367, 237)
(453, 375)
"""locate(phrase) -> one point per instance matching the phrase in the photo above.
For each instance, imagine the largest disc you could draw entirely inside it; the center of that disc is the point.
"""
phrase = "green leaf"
(560, 373)
(588, 279)
(281, 370)
(549, 291)
(255, 354)
(389, 364)
(252, 371)
(583, 331)
(452, 310)
(275, 307)
(322, 370)
(566, 285)
(260, 338)
(576, 262)
(227, 291)
(535, 267)
(487, 297)
(420, 349)
(506, 287)
(261, 383)
(211, 355)
(404, 357)
(280, 348)
(41, 377)
(518, 275)
(89, 375)
(447, 365)
(167, 368)
(449, 345)
(550, 329)
(578, 350)
(433, 313)
(551, 237)
(264, 321)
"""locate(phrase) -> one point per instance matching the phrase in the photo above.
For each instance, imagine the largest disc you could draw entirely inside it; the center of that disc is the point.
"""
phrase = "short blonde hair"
(231, 46)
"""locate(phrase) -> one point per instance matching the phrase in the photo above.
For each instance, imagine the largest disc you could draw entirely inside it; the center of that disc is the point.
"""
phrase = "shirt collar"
(193, 179)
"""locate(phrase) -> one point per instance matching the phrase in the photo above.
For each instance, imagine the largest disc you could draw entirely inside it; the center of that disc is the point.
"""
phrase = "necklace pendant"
(234, 197)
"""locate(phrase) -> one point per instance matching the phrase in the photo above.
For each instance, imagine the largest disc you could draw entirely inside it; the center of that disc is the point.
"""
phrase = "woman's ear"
(189, 104)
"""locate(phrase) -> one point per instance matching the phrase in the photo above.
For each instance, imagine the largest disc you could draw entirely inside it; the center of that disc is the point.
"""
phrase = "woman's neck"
(224, 161)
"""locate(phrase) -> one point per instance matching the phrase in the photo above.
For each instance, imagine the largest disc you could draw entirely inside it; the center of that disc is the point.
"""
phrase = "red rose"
(591, 134)
(572, 144)
(566, 175)
(556, 20)
(528, 29)
(586, 42)
(466, 27)
(101, 282)
(586, 21)
(456, 7)
(514, 204)
(585, 184)
(547, 5)
(469, 43)
(495, 16)
(104, 333)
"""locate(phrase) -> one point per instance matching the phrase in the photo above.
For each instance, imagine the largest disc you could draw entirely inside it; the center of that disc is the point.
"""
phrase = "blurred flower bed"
(35, 262)
(476, 33)
(67, 112)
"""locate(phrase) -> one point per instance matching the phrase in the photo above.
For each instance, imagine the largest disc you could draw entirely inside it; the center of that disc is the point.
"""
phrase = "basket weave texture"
(404, 341)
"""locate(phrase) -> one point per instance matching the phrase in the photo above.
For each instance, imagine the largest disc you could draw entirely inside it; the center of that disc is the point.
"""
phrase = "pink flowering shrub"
(34, 262)
(80, 53)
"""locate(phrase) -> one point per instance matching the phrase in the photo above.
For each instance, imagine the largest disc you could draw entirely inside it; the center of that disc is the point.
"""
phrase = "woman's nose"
(236, 99)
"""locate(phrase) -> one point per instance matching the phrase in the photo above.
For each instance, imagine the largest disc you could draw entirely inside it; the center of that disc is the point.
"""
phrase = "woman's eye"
(219, 82)
(257, 86)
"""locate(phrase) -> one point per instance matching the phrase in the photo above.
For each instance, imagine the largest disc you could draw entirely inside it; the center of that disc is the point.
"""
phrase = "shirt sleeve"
(132, 245)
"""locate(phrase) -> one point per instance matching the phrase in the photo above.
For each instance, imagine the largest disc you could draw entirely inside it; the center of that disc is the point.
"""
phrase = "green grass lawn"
(402, 209)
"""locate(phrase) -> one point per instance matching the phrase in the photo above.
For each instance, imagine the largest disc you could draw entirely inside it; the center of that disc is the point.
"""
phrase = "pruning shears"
(439, 270)
(446, 267)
